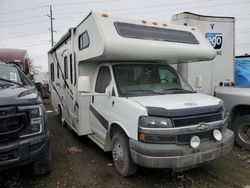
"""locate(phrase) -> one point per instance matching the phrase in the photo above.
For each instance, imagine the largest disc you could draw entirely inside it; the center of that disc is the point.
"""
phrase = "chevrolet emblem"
(202, 126)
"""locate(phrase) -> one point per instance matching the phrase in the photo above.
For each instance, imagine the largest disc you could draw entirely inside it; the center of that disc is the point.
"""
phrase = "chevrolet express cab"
(113, 79)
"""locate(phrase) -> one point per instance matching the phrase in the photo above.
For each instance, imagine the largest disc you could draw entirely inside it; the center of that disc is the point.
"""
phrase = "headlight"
(154, 122)
(35, 123)
(149, 122)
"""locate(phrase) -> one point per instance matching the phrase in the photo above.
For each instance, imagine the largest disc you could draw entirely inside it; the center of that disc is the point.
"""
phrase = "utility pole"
(51, 26)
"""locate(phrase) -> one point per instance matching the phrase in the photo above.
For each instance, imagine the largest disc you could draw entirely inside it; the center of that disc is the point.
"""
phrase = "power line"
(80, 2)
(26, 18)
(13, 25)
(32, 45)
(138, 7)
(206, 6)
(23, 10)
(23, 35)
(24, 32)
(30, 42)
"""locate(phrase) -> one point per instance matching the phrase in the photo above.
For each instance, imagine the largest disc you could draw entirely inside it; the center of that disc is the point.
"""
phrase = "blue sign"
(215, 39)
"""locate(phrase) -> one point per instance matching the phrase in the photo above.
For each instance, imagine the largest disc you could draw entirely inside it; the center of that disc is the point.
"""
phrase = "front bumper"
(180, 157)
(23, 151)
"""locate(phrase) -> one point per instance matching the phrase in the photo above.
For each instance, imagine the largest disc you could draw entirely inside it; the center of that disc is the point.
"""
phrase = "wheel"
(43, 165)
(63, 123)
(241, 128)
(121, 155)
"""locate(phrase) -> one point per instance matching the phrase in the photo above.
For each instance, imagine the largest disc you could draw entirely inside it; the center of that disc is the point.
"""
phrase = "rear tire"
(241, 128)
(63, 122)
(43, 165)
(121, 155)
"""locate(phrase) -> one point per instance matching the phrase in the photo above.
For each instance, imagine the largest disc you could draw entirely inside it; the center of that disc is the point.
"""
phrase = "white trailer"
(111, 80)
(219, 31)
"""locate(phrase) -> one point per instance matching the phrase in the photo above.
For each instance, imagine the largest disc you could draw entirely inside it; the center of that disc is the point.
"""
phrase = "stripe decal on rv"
(100, 118)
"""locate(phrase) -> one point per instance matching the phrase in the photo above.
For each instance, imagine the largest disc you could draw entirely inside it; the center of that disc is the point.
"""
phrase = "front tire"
(43, 165)
(121, 155)
(241, 128)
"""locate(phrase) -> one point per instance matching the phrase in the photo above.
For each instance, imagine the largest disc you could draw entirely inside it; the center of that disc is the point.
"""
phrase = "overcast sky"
(24, 23)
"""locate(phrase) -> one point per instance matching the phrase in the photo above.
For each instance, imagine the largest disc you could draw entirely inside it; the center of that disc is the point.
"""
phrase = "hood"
(18, 95)
(179, 104)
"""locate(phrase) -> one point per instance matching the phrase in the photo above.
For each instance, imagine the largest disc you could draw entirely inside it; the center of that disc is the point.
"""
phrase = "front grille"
(184, 139)
(194, 120)
(12, 124)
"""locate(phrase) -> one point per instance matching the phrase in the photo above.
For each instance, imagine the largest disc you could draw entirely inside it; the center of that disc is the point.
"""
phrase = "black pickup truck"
(24, 136)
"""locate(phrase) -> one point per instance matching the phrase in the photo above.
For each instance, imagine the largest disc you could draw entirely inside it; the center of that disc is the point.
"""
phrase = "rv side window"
(66, 67)
(153, 33)
(103, 80)
(58, 70)
(52, 72)
(75, 76)
(83, 40)
(71, 68)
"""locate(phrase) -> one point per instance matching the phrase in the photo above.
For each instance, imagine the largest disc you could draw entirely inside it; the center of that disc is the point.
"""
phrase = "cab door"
(101, 103)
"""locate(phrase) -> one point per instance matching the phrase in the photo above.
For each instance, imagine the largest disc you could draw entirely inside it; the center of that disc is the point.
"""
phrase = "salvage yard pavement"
(78, 162)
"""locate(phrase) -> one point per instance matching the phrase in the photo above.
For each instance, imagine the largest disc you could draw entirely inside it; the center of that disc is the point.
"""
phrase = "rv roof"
(128, 39)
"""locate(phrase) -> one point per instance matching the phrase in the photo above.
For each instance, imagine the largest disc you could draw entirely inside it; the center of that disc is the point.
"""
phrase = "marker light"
(155, 23)
(165, 25)
(104, 15)
(195, 141)
(217, 135)
(193, 28)
(144, 21)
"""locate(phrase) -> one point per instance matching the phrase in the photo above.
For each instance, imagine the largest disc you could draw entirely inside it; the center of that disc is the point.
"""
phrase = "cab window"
(103, 80)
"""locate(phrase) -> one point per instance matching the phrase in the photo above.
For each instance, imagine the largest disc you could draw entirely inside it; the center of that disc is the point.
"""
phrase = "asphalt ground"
(91, 167)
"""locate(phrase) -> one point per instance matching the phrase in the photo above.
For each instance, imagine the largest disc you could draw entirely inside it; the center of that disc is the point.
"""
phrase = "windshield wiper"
(10, 81)
(179, 89)
(144, 91)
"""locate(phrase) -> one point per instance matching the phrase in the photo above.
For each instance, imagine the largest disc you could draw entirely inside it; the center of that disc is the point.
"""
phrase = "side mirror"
(198, 82)
(84, 84)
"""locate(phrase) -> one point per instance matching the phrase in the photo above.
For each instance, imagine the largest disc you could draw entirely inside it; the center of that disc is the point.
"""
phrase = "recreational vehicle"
(111, 79)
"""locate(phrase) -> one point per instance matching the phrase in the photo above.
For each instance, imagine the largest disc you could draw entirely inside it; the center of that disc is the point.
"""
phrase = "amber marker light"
(193, 28)
(155, 23)
(141, 137)
(165, 25)
(105, 15)
(144, 21)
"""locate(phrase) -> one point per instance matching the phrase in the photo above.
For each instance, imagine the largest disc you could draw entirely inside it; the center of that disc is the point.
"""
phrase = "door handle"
(93, 99)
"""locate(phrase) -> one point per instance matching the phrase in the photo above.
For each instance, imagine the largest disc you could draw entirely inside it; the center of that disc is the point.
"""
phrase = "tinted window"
(58, 70)
(66, 67)
(52, 72)
(71, 68)
(75, 68)
(83, 40)
(13, 74)
(148, 79)
(153, 33)
(103, 80)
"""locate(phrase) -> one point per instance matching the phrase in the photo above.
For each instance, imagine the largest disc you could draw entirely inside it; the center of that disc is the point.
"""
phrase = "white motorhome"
(111, 79)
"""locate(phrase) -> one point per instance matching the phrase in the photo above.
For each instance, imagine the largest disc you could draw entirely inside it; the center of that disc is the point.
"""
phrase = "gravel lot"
(94, 168)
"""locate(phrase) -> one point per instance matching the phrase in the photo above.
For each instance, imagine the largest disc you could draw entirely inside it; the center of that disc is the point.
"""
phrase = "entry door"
(67, 92)
(101, 103)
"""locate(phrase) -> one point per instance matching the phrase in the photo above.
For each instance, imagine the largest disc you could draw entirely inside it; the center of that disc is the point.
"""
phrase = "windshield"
(148, 79)
(11, 75)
